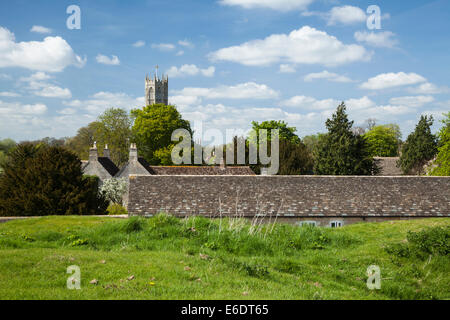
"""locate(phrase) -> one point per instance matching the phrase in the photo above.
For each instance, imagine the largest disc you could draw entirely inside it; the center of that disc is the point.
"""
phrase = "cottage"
(102, 167)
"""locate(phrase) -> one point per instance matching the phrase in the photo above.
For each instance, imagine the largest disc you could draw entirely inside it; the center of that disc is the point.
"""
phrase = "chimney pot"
(133, 153)
(93, 153)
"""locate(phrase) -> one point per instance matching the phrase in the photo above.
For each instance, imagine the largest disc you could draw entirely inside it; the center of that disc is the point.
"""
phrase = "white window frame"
(337, 224)
(308, 223)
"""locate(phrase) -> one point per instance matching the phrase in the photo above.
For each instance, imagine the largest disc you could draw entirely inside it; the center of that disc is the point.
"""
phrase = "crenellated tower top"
(156, 89)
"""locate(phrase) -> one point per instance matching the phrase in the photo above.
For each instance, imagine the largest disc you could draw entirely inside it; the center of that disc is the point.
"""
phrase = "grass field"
(197, 258)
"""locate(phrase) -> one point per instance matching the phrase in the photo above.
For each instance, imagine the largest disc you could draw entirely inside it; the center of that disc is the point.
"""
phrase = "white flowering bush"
(114, 189)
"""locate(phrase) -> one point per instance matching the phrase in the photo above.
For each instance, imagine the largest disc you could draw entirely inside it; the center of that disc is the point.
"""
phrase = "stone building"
(388, 166)
(139, 166)
(329, 201)
(102, 167)
(156, 90)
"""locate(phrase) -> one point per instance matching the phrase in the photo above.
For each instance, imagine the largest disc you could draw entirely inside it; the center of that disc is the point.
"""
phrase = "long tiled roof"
(201, 170)
(388, 166)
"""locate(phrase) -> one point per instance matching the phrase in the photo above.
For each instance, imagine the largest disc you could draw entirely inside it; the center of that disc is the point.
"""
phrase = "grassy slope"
(164, 257)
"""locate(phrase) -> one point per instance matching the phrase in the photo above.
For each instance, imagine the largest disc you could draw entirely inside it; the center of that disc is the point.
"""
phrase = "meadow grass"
(199, 258)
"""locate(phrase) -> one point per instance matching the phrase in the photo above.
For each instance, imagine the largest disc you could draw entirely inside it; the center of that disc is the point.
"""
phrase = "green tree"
(340, 151)
(286, 133)
(295, 159)
(112, 128)
(84, 139)
(384, 140)
(419, 148)
(152, 131)
(6, 146)
(443, 158)
(42, 180)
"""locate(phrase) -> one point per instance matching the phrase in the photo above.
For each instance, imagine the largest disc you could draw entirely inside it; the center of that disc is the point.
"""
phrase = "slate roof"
(388, 166)
(108, 165)
(201, 170)
(192, 170)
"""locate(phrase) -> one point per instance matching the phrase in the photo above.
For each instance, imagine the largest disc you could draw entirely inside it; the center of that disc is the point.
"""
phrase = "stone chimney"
(106, 153)
(93, 153)
(222, 164)
(133, 153)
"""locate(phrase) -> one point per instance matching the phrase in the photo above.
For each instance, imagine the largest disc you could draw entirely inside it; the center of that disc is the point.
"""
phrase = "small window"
(308, 223)
(336, 224)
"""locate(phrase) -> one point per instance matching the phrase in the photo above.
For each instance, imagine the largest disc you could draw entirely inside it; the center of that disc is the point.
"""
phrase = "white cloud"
(163, 46)
(190, 70)
(377, 39)
(428, 88)
(38, 76)
(280, 5)
(249, 90)
(334, 77)
(39, 87)
(16, 108)
(287, 68)
(9, 94)
(186, 43)
(303, 46)
(329, 105)
(51, 55)
(346, 15)
(180, 53)
(54, 92)
(360, 104)
(310, 103)
(139, 44)
(113, 61)
(412, 101)
(390, 80)
(226, 118)
(41, 29)
(67, 111)
(184, 100)
(101, 101)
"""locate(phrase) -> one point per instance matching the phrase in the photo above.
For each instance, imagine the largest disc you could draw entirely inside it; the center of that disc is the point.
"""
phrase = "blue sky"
(229, 62)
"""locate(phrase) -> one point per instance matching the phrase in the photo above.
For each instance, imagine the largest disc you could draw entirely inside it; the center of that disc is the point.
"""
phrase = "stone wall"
(300, 197)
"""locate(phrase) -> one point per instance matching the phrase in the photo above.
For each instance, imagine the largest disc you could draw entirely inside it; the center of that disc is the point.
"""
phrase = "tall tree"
(384, 140)
(112, 128)
(312, 142)
(295, 159)
(42, 180)
(419, 148)
(341, 152)
(286, 133)
(152, 131)
(6, 146)
(84, 139)
(443, 158)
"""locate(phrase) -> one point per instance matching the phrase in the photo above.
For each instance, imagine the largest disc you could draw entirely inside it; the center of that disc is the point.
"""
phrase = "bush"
(116, 210)
(431, 241)
(114, 189)
(41, 180)
(422, 244)
(134, 224)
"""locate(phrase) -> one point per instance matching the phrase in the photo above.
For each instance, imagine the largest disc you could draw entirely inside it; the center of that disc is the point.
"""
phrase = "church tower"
(156, 89)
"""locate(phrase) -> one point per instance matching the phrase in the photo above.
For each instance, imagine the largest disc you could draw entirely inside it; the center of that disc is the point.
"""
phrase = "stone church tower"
(156, 90)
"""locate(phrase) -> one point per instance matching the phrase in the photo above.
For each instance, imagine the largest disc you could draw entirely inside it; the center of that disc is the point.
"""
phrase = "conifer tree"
(43, 180)
(340, 151)
(419, 148)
